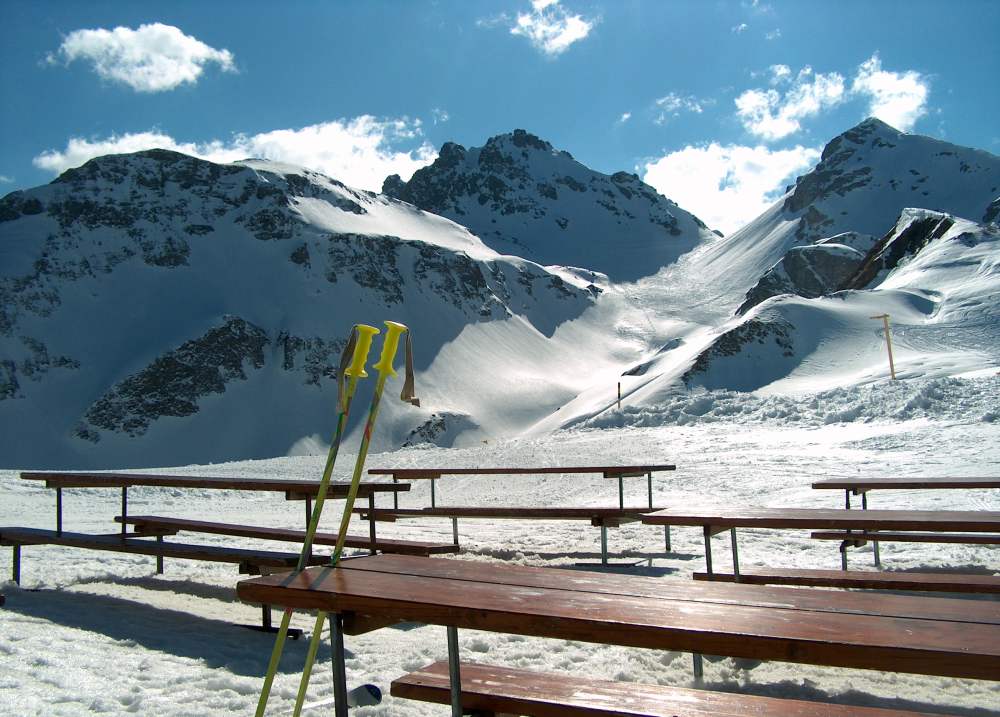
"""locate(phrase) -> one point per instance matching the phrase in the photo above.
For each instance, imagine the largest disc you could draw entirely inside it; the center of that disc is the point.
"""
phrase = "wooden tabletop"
(434, 473)
(974, 521)
(128, 480)
(914, 483)
(905, 634)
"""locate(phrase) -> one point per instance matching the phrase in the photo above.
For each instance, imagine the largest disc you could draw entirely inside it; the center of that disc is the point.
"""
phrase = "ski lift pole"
(384, 367)
(888, 342)
(357, 348)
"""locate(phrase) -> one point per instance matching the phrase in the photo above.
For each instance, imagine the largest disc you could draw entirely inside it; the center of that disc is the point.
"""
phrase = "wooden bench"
(156, 525)
(875, 580)
(603, 518)
(917, 521)
(492, 691)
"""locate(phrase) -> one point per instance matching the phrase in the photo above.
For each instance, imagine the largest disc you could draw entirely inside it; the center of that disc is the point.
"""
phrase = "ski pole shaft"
(384, 367)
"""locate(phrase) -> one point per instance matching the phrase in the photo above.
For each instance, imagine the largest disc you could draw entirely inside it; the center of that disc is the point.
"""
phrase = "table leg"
(707, 529)
(159, 558)
(433, 504)
(604, 544)
(395, 495)
(621, 492)
(124, 508)
(843, 555)
(371, 522)
(58, 510)
(339, 670)
(847, 499)
(697, 666)
(454, 529)
(736, 555)
(864, 506)
(454, 674)
(16, 565)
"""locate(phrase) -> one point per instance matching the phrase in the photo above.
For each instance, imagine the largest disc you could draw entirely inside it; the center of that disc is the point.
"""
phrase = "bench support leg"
(433, 503)
(265, 617)
(395, 495)
(843, 555)
(604, 544)
(58, 510)
(666, 537)
(621, 492)
(454, 674)
(16, 564)
(159, 558)
(708, 548)
(371, 523)
(736, 554)
(454, 530)
(698, 668)
(124, 509)
(864, 506)
(339, 670)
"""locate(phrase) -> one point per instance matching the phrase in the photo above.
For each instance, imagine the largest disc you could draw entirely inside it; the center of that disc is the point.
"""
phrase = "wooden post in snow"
(888, 342)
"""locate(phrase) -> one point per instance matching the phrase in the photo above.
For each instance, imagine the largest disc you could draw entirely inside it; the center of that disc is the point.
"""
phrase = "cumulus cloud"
(771, 115)
(739, 29)
(153, 58)
(550, 28)
(726, 186)
(360, 152)
(4, 179)
(774, 34)
(626, 116)
(897, 98)
(440, 116)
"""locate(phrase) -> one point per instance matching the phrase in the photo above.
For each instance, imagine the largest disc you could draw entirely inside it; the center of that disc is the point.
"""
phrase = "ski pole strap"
(345, 362)
(408, 392)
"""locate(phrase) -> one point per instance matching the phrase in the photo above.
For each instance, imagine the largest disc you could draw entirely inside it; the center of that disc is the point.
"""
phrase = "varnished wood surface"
(128, 480)
(144, 523)
(973, 521)
(912, 483)
(434, 473)
(888, 536)
(676, 589)
(871, 579)
(922, 646)
(545, 694)
(115, 543)
(507, 512)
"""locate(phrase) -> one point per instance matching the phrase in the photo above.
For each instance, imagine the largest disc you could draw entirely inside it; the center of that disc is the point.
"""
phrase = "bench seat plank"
(675, 589)
(973, 521)
(944, 648)
(435, 473)
(931, 582)
(494, 689)
(455, 511)
(153, 524)
(115, 543)
(911, 483)
(886, 536)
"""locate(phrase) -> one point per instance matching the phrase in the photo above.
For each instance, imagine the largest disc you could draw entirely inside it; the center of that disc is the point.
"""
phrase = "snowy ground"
(91, 632)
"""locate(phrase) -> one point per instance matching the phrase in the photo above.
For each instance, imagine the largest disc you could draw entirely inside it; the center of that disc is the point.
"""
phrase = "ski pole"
(384, 367)
(357, 349)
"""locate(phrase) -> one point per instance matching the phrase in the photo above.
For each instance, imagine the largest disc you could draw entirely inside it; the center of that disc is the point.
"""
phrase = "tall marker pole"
(394, 332)
(361, 340)
(888, 342)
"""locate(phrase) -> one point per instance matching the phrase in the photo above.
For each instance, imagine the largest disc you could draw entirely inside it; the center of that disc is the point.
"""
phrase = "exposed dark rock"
(318, 358)
(992, 212)
(371, 261)
(886, 255)
(760, 330)
(173, 383)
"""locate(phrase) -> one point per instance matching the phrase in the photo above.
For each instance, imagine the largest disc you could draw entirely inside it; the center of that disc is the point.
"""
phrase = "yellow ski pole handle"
(393, 332)
(365, 335)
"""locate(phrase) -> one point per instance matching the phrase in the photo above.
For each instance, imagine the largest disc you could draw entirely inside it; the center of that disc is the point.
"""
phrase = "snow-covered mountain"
(156, 308)
(159, 309)
(522, 196)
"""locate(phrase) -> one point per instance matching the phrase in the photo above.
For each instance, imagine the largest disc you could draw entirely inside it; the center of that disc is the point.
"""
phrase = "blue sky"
(717, 104)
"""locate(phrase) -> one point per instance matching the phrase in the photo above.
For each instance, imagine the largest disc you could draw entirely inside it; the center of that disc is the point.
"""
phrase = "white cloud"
(4, 179)
(550, 28)
(626, 116)
(360, 152)
(771, 115)
(727, 186)
(672, 104)
(739, 29)
(440, 116)
(780, 73)
(899, 99)
(775, 34)
(154, 58)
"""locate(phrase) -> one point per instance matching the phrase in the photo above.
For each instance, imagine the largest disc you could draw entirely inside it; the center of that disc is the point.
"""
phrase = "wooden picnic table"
(897, 633)
(713, 522)
(617, 472)
(297, 489)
